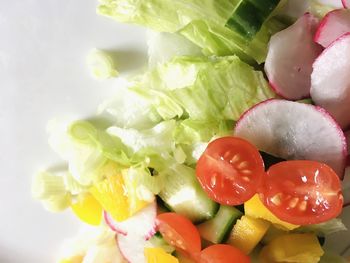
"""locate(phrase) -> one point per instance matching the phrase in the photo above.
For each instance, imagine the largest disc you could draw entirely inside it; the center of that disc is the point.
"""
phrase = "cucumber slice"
(216, 229)
(158, 241)
(183, 194)
(249, 16)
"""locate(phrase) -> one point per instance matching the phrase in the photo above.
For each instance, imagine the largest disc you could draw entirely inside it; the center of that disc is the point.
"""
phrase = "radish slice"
(346, 3)
(132, 247)
(290, 56)
(332, 3)
(293, 130)
(333, 25)
(142, 224)
(330, 82)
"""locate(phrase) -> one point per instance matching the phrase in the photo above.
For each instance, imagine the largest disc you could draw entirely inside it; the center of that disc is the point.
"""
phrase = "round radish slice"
(333, 25)
(346, 3)
(142, 223)
(294, 131)
(332, 3)
(132, 247)
(290, 56)
(330, 82)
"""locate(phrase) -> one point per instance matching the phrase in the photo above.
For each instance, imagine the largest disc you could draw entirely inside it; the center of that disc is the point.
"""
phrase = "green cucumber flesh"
(249, 16)
(216, 229)
(183, 194)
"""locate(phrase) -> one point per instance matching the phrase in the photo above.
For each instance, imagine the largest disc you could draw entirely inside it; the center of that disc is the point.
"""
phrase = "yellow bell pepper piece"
(247, 233)
(296, 248)
(116, 194)
(74, 259)
(87, 209)
(158, 255)
(255, 208)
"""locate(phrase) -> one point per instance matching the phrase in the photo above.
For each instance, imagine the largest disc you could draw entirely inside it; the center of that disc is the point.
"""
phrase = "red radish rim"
(344, 3)
(322, 24)
(319, 109)
(339, 130)
(345, 35)
(109, 222)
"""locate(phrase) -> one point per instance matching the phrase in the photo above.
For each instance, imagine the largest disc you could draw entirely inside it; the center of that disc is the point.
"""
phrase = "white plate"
(43, 45)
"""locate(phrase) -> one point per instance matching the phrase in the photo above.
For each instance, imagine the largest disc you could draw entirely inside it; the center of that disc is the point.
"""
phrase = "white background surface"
(43, 45)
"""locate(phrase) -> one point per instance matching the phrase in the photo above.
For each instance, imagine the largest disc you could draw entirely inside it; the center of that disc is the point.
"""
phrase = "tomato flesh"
(302, 192)
(180, 232)
(222, 254)
(230, 170)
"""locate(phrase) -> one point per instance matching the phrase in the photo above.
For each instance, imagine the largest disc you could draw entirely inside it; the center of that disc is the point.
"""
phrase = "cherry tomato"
(230, 170)
(180, 232)
(302, 192)
(223, 254)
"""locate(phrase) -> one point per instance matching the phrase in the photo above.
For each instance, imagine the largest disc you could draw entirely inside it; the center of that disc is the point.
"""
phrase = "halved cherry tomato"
(222, 254)
(302, 192)
(230, 170)
(180, 232)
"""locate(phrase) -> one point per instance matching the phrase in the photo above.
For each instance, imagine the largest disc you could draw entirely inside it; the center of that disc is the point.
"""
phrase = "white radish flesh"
(290, 57)
(330, 81)
(293, 130)
(142, 223)
(333, 25)
(132, 248)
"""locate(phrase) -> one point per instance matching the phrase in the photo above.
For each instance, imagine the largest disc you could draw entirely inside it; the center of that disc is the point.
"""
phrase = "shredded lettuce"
(159, 138)
(86, 148)
(127, 109)
(219, 88)
(332, 226)
(164, 46)
(203, 22)
(101, 65)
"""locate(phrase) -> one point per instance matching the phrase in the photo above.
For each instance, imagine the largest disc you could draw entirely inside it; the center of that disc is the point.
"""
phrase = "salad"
(231, 147)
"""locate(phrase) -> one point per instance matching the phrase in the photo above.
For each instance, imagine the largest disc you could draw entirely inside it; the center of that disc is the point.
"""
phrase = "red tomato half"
(302, 192)
(179, 231)
(230, 170)
(223, 254)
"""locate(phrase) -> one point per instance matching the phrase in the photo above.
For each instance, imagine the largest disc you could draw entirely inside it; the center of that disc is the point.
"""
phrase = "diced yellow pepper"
(255, 208)
(87, 209)
(296, 248)
(74, 259)
(247, 233)
(115, 195)
(158, 255)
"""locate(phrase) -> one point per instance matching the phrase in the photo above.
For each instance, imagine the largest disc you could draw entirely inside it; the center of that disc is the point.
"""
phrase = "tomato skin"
(302, 192)
(222, 254)
(180, 232)
(230, 170)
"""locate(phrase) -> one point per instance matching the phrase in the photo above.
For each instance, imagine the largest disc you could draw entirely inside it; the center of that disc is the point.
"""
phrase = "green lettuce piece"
(163, 46)
(202, 88)
(166, 15)
(127, 109)
(86, 149)
(332, 226)
(201, 21)
(159, 138)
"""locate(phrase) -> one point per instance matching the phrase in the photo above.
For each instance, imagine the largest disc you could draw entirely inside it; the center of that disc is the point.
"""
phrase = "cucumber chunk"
(216, 229)
(249, 16)
(183, 194)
